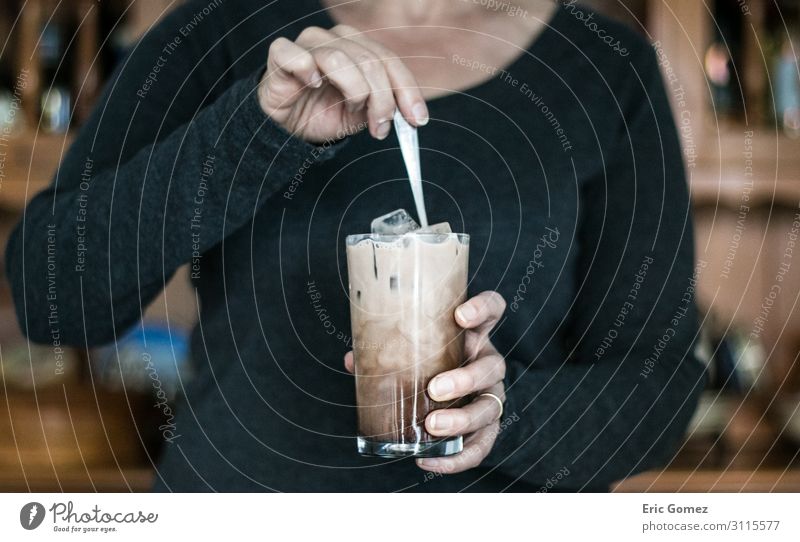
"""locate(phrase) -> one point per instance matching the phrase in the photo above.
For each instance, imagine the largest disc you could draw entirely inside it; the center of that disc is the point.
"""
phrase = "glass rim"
(356, 238)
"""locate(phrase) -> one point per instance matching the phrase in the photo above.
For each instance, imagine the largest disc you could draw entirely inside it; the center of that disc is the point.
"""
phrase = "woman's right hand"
(331, 83)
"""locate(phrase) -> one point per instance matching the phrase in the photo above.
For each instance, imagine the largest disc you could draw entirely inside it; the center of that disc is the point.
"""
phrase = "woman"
(547, 136)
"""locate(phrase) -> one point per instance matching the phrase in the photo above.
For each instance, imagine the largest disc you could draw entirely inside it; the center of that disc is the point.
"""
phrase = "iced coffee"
(404, 285)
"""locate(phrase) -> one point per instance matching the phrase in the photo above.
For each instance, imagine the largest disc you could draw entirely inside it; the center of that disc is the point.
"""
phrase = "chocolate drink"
(403, 293)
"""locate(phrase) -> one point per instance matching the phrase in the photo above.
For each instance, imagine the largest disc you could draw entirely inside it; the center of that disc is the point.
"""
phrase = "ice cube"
(395, 223)
(441, 227)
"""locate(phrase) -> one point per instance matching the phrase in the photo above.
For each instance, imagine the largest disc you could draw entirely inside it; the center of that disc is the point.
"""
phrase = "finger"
(336, 65)
(481, 374)
(381, 102)
(349, 363)
(451, 422)
(289, 59)
(481, 312)
(406, 90)
(476, 447)
(342, 72)
(407, 93)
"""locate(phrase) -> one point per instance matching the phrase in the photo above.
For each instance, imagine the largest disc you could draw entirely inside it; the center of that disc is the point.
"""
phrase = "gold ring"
(499, 402)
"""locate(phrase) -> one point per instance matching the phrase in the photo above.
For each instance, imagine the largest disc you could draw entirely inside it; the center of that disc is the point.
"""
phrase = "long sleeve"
(172, 160)
(621, 400)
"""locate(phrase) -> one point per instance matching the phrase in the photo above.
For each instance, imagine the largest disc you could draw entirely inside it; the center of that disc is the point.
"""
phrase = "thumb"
(349, 364)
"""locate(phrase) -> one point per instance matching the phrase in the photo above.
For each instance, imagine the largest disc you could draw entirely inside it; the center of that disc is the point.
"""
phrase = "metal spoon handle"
(409, 146)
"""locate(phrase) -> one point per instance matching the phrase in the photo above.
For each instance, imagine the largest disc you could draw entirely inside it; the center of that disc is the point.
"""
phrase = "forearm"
(114, 238)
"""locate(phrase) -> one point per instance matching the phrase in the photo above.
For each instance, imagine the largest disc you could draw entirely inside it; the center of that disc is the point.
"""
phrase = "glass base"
(436, 448)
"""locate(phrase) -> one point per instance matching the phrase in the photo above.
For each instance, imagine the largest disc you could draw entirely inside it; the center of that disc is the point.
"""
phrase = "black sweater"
(565, 168)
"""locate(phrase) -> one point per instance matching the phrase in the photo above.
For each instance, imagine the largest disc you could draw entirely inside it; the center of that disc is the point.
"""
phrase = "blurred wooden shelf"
(720, 175)
(68, 429)
(74, 480)
(710, 188)
(30, 163)
(712, 482)
(786, 412)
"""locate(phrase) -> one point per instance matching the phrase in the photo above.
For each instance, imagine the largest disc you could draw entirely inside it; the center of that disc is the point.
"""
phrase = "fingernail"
(420, 114)
(316, 80)
(441, 422)
(383, 129)
(427, 462)
(442, 386)
(467, 312)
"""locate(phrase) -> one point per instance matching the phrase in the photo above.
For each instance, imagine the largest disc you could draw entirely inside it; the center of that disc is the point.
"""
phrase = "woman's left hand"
(478, 421)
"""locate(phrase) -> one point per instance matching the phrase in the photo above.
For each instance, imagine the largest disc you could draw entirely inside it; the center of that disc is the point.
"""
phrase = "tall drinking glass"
(403, 293)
